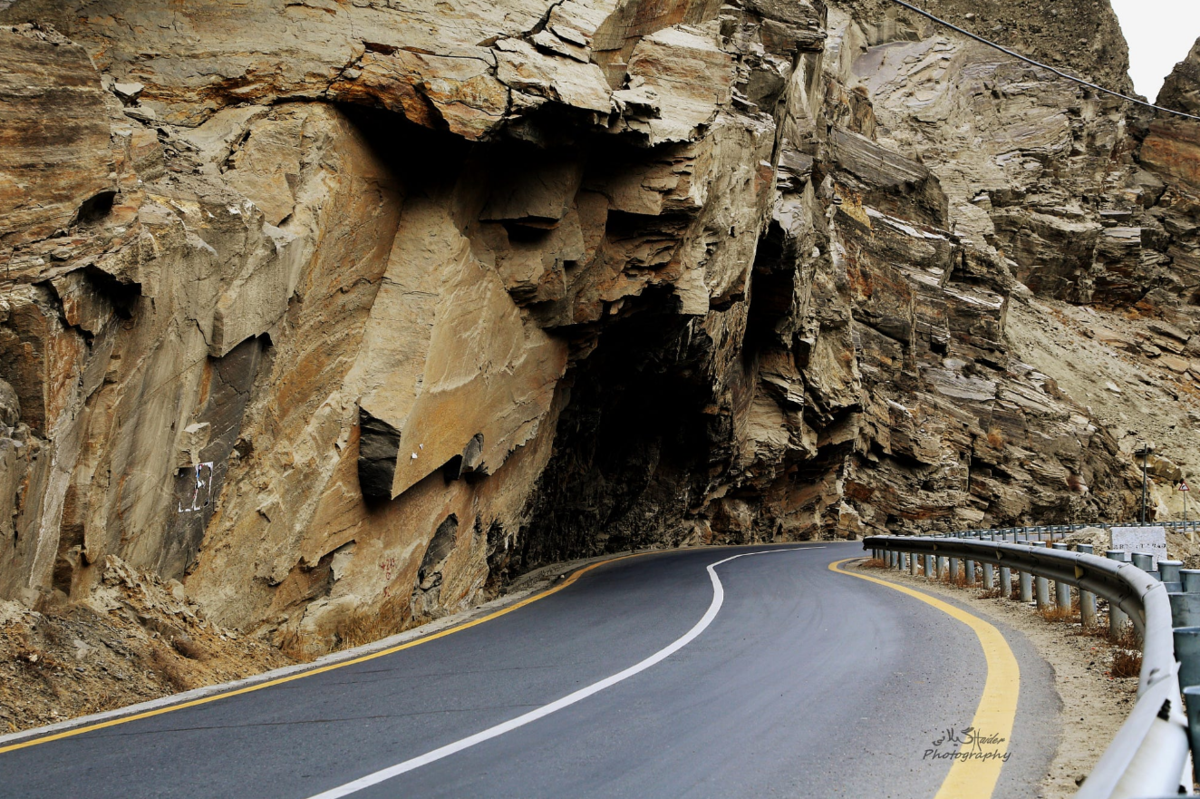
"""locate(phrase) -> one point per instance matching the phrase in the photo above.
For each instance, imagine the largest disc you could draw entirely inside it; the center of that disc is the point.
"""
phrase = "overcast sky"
(1160, 33)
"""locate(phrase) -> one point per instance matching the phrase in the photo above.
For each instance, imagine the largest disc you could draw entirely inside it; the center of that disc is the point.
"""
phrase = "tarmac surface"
(648, 677)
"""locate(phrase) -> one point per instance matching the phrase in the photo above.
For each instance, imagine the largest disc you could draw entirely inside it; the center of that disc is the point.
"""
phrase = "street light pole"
(1145, 455)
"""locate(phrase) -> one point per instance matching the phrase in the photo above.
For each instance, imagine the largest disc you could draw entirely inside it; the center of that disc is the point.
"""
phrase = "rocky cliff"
(338, 311)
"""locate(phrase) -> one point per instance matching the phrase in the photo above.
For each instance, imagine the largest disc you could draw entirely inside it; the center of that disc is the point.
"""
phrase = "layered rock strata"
(350, 311)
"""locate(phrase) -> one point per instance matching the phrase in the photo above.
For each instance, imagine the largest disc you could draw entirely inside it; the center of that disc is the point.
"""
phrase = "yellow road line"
(321, 670)
(997, 711)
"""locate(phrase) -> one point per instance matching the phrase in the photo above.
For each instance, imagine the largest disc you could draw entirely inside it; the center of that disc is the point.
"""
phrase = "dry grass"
(291, 644)
(37, 659)
(959, 580)
(366, 628)
(875, 563)
(1055, 613)
(995, 438)
(1097, 630)
(167, 666)
(356, 630)
(1128, 639)
(1126, 663)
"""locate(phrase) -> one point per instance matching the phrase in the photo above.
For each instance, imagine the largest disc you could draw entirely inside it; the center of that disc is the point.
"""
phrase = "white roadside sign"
(1146, 540)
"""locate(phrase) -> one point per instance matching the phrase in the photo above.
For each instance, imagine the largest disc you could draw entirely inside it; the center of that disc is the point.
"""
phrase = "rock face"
(1181, 90)
(362, 324)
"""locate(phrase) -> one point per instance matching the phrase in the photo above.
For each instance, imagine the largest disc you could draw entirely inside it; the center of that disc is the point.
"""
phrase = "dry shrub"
(1128, 639)
(875, 563)
(1097, 630)
(167, 666)
(959, 580)
(37, 659)
(1055, 613)
(366, 628)
(1126, 664)
(991, 593)
(291, 643)
(995, 438)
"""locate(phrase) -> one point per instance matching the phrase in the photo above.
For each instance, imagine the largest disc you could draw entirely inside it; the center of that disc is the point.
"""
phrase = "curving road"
(653, 676)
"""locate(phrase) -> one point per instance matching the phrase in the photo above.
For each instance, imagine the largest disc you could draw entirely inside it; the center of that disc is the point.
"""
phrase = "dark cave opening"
(631, 447)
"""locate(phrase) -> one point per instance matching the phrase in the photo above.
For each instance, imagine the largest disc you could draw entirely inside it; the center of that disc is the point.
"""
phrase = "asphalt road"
(805, 683)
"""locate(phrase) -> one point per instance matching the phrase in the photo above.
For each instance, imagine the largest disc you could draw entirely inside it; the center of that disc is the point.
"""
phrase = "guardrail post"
(1190, 580)
(1062, 596)
(970, 571)
(940, 568)
(1187, 652)
(1168, 572)
(1191, 700)
(929, 567)
(989, 576)
(954, 571)
(1116, 617)
(1087, 600)
(1062, 591)
(1142, 561)
(1026, 586)
(1041, 585)
(912, 564)
(1185, 610)
(1005, 582)
(1042, 592)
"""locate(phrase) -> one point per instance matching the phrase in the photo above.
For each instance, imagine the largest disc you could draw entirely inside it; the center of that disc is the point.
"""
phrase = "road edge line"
(255, 682)
(301, 670)
(996, 712)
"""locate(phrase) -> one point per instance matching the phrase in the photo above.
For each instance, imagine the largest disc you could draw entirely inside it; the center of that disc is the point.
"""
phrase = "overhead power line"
(1040, 65)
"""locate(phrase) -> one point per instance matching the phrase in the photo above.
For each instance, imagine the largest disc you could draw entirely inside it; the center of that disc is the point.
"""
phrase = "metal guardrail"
(1063, 529)
(1148, 756)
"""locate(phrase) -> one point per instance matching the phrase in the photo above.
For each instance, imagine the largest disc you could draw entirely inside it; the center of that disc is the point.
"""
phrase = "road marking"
(997, 710)
(321, 670)
(158, 711)
(568, 700)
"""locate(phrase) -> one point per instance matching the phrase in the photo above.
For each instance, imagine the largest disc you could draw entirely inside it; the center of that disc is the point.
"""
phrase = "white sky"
(1160, 33)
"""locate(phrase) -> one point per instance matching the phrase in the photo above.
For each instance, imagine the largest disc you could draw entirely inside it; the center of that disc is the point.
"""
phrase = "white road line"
(568, 700)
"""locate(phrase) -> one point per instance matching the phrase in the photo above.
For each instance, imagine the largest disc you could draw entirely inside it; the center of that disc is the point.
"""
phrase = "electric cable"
(1040, 65)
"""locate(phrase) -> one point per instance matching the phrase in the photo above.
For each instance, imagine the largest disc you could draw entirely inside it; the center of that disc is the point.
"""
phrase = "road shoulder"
(1092, 704)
